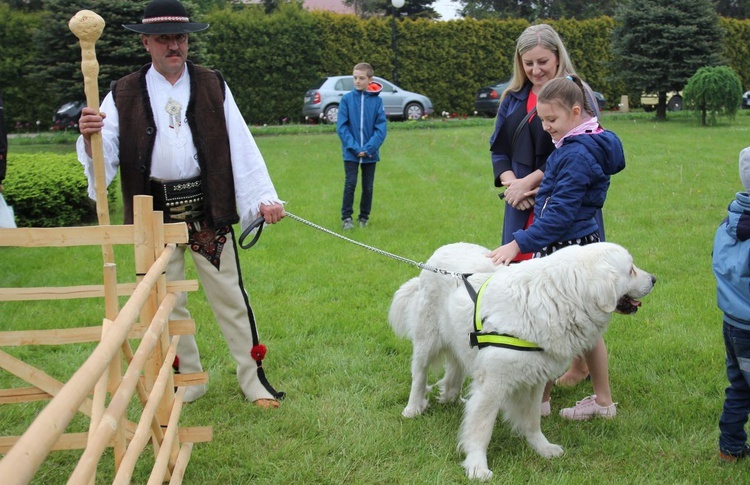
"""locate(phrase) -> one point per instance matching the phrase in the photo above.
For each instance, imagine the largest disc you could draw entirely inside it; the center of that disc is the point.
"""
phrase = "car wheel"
(413, 111)
(648, 108)
(675, 103)
(331, 114)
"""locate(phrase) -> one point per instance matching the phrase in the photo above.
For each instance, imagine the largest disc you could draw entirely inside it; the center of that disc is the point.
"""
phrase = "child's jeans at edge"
(737, 402)
(351, 170)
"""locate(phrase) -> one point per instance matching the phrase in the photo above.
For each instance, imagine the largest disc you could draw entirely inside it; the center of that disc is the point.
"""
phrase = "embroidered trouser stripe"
(226, 294)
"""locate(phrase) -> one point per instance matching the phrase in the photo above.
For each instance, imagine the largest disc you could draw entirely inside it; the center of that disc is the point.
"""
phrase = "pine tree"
(660, 44)
(118, 51)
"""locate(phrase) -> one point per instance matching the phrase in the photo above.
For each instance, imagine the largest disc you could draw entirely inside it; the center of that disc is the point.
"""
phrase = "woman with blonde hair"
(519, 148)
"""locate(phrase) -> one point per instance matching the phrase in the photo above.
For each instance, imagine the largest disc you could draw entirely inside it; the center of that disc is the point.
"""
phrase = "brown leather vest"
(205, 116)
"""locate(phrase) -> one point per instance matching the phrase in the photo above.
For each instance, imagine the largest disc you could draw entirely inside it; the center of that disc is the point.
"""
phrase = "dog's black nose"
(653, 279)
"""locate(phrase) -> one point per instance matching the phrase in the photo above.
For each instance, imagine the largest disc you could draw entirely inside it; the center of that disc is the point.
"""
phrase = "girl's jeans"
(351, 169)
(737, 403)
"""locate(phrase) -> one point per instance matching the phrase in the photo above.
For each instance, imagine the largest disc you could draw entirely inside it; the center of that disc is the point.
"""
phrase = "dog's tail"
(404, 302)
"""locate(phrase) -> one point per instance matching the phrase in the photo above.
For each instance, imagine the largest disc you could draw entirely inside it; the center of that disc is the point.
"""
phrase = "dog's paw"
(476, 468)
(413, 411)
(478, 473)
(550, 451)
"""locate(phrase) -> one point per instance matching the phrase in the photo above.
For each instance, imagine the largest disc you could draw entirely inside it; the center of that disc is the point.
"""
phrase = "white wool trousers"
(226, 294)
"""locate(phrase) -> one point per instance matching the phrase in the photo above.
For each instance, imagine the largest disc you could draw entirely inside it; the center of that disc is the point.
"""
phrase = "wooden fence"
(147, 371)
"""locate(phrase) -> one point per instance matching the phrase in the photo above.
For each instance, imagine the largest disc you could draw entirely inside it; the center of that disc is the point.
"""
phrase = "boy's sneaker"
(587, 409)
(346, 224)
(363, 223)
(733, 457)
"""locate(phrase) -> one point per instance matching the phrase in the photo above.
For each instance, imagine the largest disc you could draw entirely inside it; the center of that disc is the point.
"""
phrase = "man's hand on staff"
(89, 123)
(272, 213)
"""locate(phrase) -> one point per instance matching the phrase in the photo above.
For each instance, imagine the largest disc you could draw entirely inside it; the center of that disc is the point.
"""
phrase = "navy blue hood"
(606, 149)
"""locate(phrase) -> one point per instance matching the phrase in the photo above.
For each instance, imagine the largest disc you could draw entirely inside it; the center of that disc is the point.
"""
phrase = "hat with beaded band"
(165, 17)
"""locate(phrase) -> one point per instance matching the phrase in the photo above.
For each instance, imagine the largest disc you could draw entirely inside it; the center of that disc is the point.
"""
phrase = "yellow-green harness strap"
(494, 339)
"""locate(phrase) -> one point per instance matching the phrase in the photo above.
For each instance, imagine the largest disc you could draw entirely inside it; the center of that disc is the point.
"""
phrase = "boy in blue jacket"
(731, 266)
(362, 128)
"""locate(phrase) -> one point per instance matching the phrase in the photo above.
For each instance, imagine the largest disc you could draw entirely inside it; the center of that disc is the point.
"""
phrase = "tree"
(737, 9)
(411, 9)
(57, 64)
(534, 10)
(16, 53)
(714, 91)
(26, 5)
(659, 44)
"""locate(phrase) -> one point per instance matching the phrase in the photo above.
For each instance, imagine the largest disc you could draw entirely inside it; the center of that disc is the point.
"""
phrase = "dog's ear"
(604, 282)
(605, 292)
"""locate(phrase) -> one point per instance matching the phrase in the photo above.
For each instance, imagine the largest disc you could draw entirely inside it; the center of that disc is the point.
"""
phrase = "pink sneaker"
(587, 409)
(546, 410)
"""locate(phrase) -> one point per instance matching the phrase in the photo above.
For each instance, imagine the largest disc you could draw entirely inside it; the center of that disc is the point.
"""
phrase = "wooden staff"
(88, 27)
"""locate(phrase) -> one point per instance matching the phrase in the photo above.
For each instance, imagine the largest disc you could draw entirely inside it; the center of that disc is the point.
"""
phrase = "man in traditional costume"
(176, 133)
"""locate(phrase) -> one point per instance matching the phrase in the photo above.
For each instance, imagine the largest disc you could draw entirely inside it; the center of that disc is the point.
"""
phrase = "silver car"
(322, 102)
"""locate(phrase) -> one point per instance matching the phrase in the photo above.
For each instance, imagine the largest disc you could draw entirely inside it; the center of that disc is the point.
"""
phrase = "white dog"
(561, 304)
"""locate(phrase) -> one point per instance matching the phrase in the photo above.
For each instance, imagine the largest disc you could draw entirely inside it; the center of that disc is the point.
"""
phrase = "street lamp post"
(396, 4)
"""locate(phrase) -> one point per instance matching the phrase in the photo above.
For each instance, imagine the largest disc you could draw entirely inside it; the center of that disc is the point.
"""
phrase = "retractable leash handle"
(257, 223)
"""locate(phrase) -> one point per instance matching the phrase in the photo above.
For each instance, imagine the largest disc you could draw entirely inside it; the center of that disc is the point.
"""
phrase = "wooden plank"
(68, 441)
(196, 434)
(83, 291)
(77, 441)
(192, 379)
(63, 336)
(42, 237)
(23, 394)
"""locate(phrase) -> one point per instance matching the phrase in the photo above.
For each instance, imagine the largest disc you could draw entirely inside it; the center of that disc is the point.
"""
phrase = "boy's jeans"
(737, 403)
(351, 169)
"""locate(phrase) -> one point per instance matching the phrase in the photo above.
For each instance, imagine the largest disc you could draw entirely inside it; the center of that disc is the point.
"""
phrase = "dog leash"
(476, 339)
(260, 221)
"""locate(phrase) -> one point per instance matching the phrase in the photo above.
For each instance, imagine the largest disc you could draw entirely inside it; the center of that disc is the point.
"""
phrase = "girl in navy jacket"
(574, 188)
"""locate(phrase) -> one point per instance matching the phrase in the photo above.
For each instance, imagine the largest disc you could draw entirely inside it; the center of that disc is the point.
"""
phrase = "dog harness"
(480, 339)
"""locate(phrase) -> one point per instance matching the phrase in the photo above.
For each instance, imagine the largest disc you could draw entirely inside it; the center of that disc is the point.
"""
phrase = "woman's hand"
(517, 191)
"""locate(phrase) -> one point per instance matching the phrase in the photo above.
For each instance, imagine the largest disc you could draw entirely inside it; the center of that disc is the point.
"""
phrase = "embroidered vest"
(205, 116)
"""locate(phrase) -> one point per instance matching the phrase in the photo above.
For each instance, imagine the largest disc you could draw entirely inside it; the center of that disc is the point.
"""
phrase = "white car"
(322, 102)
(650, 100)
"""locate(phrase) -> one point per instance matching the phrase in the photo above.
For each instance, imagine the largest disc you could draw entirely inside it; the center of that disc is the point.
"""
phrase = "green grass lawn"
(322, 305)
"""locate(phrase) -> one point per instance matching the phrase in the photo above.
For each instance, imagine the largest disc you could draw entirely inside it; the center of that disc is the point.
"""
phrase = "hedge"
(49, 190)
(271, 60)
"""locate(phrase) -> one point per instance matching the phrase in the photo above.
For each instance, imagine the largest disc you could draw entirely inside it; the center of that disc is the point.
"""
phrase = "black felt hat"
(165, 17)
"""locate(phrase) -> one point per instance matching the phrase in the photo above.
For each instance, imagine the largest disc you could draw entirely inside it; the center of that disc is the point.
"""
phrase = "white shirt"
(174, 156)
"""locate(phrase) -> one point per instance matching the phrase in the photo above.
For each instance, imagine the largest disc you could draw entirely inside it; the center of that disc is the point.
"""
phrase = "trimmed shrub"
(49, 190)
(714, 91)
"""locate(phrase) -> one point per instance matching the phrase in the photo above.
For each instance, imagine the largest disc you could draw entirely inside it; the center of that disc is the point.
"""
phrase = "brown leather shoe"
(266, 403)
